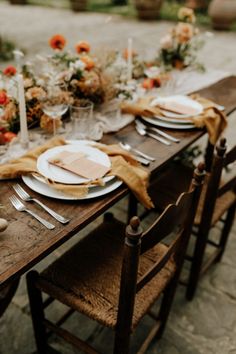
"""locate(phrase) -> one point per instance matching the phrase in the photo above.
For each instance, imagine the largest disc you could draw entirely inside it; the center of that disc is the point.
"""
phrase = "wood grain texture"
(26, 242)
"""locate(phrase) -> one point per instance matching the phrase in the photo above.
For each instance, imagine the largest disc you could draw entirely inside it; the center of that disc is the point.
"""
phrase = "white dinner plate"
(158, 123)
(180, 99)
(174, 120)
(48, 191)
(60, 175)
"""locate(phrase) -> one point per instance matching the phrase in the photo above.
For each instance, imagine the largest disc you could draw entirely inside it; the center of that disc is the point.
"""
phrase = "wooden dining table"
(26, 242)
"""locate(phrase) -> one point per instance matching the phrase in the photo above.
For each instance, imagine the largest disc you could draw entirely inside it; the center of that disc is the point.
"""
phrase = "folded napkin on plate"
(124, 166)
(212, 118)
(27, 163)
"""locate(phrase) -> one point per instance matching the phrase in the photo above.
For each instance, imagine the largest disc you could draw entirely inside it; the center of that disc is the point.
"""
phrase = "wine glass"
(56, 102)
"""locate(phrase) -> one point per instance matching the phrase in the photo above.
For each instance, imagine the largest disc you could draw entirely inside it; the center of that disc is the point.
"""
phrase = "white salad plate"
(60, 175)
(46, 190)
(169, 125)
(179, 99)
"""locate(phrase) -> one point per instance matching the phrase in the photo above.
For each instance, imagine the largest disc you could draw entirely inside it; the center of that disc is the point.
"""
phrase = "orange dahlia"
(148, 83)
(82, 47)
(9, 71)
(3, 98)
(57, 42)
(88, 62)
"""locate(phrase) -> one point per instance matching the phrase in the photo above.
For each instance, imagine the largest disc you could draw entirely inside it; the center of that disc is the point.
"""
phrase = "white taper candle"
(130, 59)
(24, 137)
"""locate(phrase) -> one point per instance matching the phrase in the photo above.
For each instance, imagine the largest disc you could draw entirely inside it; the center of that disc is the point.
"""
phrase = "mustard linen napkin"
(123, 166)
(212, 118)
(27, 163)
(126, 168)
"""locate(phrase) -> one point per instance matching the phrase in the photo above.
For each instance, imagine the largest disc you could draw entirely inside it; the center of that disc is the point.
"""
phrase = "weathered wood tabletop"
(26, 242)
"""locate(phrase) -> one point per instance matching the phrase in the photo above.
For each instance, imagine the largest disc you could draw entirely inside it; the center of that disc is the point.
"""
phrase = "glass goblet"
(55, 103)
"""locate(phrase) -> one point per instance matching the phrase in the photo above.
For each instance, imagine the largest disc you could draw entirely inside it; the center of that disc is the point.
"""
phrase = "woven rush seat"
(115, 275)
(177, 179)
(86, 278)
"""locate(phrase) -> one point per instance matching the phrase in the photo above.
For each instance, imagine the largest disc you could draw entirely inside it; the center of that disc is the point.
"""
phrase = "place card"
(178, 108)
(78, 163)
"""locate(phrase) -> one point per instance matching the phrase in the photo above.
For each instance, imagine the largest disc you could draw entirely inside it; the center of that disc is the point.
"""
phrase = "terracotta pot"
(78, 5)
(18, 2)
(222, 13)
(148, 9)
(197, 4)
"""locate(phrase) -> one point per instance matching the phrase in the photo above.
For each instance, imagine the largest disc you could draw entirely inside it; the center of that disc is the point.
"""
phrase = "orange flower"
(8, 136)
(57, 42)
(126, 54)
(3, 98)
(178, 64)
(184, 32)
(88, 62)
(9, 71)
(148, 84)
(82, 47)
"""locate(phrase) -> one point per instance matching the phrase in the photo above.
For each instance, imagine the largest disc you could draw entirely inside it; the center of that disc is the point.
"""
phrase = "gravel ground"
(208, 324)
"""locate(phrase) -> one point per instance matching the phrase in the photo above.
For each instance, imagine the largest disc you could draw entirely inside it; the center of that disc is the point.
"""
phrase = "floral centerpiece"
(115, 69)
(9, 111)
(9, 117)
(179, 47)
(80, 70)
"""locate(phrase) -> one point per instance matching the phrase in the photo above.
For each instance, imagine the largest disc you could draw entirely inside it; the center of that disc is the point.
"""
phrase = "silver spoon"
(144, 132)
(128, 147)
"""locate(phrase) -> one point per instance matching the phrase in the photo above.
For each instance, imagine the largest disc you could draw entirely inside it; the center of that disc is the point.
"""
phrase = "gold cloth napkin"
(126, 168)
(212, 118)
(27, 163)
(123, 166)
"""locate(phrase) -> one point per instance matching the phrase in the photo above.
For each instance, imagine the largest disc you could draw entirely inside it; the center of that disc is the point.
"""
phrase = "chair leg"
(7, 293)
(166, 304)
(122, 342)
(196, 265)
(132, 207)
(226, 230)
(37, 313)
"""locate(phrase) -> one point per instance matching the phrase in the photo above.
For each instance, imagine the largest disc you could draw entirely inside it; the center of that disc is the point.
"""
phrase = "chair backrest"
(179, 215)
(215, 188)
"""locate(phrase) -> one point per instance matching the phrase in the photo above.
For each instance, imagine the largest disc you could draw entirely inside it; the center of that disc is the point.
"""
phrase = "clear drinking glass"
(55, 103)
(82, 120)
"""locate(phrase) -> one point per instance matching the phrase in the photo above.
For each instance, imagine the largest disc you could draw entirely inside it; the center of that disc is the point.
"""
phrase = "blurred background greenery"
(169, 8)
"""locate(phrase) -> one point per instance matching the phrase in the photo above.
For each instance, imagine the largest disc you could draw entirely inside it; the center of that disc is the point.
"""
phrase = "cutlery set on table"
(171, 112)
(75, 171)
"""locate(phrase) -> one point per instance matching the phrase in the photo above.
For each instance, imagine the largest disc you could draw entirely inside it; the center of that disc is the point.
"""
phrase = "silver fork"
(158, 131)
(21, 207)
(128, 147)
(27, 198)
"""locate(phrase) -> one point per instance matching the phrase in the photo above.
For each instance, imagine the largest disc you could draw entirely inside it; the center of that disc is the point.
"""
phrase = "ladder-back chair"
(116, 273)
(218, 198)
(7, 291)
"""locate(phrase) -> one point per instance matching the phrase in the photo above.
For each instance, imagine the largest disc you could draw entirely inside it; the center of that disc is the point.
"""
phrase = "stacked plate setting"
(173, 120)
(59, 175)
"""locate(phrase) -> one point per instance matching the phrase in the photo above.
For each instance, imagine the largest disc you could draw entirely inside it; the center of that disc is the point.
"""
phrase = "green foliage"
(6, 49)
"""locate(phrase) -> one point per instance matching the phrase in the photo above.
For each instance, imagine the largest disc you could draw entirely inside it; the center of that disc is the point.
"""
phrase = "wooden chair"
(115, 279)
(8, 291)
(217, 198)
